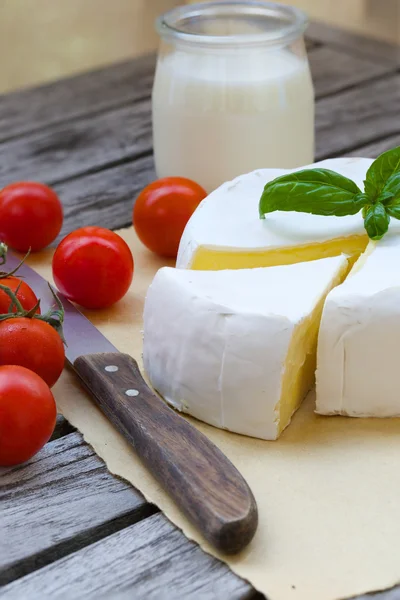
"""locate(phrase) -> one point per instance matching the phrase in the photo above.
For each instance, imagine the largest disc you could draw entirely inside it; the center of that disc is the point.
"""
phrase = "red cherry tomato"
(27, 414)
(33, 344)
(25, 294)
(31, 216)
(162, 210)
(93, 267)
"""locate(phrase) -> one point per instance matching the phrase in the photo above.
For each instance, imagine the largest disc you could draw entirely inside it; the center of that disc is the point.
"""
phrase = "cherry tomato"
(33, 344)
(25, 294)
(93, 267)
(31, 216)
(162, 210)
(27, 414)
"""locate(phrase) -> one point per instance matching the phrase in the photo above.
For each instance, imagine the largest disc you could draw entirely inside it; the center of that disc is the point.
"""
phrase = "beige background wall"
(41, 40)
(378, 18)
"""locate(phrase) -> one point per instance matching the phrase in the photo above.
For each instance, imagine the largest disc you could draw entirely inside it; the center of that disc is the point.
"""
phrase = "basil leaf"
(393, 211)
(361, 199)
(390, 196)
(376, 221)
(386, 165)
(385, 198)
(315, 191)
(392, 186)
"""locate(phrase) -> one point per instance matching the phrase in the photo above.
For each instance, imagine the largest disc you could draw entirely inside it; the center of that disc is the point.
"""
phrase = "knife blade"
(197, 475)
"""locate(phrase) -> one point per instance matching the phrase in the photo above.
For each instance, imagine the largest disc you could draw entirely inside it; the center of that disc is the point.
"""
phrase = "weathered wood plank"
(57, 501)
(357, 117)
(354, 44)
(30, 110)
(105, 198)
(151, 559)
(84, 145)
(374, 149)
(334, 70)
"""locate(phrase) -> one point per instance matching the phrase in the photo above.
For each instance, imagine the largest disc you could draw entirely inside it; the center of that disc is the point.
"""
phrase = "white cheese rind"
(228, 218)
(215, 343)
(359, 338)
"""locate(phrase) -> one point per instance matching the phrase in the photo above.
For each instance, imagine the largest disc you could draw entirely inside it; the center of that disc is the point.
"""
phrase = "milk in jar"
(232, 92)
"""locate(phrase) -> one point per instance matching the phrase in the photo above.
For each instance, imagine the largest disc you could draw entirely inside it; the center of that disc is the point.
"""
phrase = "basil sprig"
(325, 192)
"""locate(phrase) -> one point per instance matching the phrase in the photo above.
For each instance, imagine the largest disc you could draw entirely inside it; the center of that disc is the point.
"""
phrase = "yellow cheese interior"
(300, 364)
(363, 258)
(208, 259)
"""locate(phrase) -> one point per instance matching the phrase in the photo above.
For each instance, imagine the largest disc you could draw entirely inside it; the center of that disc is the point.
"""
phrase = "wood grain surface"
(333, 70)
(106, 197)
(68, 528)
(373, 149)
(153, 559)
(69, 150)
(354, 118)
(355, 44)
(53, 504)
(72, 98)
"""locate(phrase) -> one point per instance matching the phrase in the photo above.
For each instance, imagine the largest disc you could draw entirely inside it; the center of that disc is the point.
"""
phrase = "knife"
(196, 474)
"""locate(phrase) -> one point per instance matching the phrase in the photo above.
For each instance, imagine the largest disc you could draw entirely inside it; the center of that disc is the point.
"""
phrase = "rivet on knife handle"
(198, 476)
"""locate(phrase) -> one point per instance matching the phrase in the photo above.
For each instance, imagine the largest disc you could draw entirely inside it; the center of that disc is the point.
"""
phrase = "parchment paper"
(327, 491)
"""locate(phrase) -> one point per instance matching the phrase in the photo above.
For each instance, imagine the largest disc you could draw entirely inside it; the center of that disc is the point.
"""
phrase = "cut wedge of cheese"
(236, 349)
(225, 232)
(359, 340)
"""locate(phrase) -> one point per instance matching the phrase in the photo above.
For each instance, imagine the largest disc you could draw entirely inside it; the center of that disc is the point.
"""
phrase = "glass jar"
(232, 91)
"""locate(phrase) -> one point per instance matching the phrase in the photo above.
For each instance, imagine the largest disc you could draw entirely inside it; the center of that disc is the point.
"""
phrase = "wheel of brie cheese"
(230, 336)
(236, 349)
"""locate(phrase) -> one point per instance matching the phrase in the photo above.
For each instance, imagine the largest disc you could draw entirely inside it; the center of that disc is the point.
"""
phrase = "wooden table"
(68, 529)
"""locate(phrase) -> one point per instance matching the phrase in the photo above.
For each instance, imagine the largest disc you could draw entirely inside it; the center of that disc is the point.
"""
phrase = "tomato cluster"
(92, 267)
(31, 350)
(31, 361)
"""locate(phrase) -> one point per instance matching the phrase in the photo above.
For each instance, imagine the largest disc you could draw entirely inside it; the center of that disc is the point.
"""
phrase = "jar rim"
(171, 25)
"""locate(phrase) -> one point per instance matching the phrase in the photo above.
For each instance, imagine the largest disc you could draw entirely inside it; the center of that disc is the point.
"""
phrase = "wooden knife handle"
(198, 476)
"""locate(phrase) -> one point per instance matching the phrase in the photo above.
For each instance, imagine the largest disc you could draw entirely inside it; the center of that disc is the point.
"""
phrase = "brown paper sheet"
(327, 491)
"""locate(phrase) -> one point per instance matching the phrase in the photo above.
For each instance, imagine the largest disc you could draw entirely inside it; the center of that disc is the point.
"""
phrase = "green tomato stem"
(54, 316)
